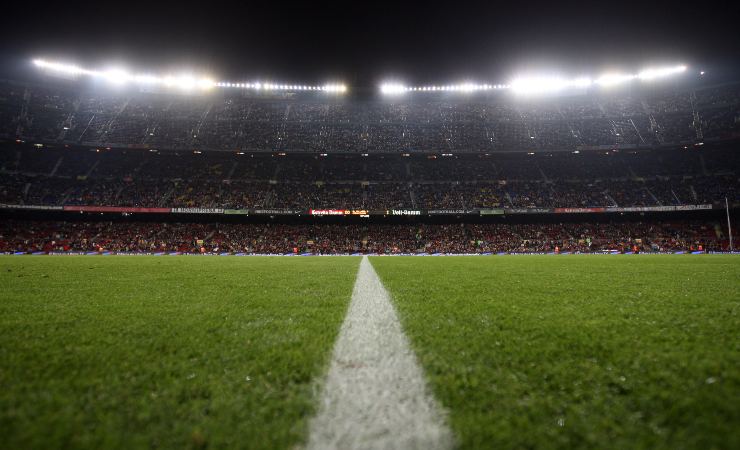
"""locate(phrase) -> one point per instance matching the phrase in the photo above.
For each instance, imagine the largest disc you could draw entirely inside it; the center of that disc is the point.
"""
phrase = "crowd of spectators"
(224, 121)
(141, 178)
(41, 236)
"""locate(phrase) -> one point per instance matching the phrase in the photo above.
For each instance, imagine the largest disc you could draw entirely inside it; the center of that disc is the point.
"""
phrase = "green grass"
(165, 352)
(524, 352)
(623, 352)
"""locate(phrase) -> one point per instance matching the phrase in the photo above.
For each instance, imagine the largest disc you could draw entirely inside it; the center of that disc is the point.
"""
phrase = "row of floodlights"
(284, 87)
(183, 82)
(394, 88)
(525, 85)
(538, 85)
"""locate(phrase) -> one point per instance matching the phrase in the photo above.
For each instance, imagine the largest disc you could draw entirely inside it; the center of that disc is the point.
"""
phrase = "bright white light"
(146, 79)
(68, 69)
(610, 79)
(651, 74)
(120, 77)
(116, 76)
(536, 85)
(185, 82)
(331, 87)
(334, 88)
(582, 82)
(540, 84)
(392, 88)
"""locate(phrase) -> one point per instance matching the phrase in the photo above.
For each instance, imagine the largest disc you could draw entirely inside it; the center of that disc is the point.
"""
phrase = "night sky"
(363, 43)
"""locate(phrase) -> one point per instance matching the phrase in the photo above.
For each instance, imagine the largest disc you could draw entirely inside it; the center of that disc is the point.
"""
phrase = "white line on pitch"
(375, 396)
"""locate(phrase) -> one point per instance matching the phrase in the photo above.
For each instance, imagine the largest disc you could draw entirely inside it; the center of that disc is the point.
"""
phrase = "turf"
(165, 352)
(623, 352)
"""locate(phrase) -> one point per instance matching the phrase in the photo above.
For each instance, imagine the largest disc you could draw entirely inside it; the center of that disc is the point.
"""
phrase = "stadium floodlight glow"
(611, 79)
(582, 82)
(69, 69)
(393, 88)
(184, 82)
(540, 84)
(651, 74)
(536, 85)
(396, 88)
(120, 77)
(338, 88)
(146, 79)
(116, 76)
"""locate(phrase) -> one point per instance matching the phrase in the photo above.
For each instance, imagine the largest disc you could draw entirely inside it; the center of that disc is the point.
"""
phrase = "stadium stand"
(74, 150)
(61, 236)
(136, 178)
(228, 121)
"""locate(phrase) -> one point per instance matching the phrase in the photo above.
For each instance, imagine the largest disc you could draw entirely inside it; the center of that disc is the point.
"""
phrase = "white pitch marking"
(375, 396)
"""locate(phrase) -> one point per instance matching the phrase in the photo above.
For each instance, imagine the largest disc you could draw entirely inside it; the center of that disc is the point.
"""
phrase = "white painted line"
(375, 396)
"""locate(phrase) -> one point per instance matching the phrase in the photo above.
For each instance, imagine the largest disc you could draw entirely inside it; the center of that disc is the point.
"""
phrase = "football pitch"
(623, 351)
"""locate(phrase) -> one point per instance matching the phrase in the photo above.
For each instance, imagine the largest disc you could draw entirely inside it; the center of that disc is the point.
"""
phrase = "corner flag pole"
(729, 227)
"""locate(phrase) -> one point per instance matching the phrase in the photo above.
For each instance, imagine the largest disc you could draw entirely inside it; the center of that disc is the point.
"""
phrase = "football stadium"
(524, 260)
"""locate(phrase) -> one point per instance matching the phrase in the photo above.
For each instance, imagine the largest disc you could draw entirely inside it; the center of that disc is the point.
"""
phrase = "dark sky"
(363, 43)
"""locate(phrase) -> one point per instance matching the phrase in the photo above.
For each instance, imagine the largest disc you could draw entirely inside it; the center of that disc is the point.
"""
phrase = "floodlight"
(146, 79)
(611, 79)
(651, 74)
(537, 85)
(393, 88)
(116, 76)
(206, 83)
(582, 82)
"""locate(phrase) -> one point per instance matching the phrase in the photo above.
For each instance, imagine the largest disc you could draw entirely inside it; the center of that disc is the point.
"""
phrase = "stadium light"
(651, 74)
(117, 76)
(69, 69)
(539, 84)
(183, 82)
(146, 79)
(336, 88)
(393, 88)
(610, 79)
(397, 89)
